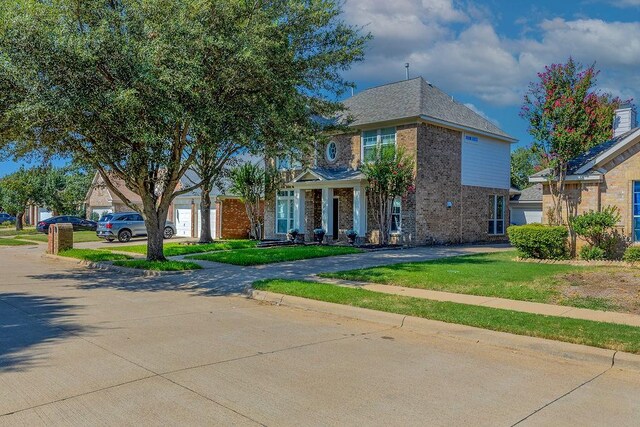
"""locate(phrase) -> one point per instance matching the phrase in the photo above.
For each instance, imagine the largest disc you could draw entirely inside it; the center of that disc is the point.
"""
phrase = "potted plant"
(293, 233)
(351, 235)
(318, 234)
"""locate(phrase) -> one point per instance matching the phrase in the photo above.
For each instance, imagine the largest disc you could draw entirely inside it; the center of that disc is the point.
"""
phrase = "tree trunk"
(19, 223)
(205, 209)
(155, 223)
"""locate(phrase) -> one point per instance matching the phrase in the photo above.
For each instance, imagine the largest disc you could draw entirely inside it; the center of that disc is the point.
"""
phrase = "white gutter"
(584, 178)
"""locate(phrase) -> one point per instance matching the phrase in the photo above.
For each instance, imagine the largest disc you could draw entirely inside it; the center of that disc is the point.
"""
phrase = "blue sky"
(484, 53)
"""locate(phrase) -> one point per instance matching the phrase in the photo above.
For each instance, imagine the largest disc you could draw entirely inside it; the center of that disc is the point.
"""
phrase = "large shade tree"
(566, 116)
(20, 189)
(139, 89)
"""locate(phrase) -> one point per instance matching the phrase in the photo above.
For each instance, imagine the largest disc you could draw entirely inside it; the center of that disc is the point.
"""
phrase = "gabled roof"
(587, 164)
(323, 174)
(415, 98)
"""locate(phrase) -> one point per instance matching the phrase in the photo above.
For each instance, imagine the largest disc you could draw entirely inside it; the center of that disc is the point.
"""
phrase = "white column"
(360, 210)
(327, 210)
(298, 210)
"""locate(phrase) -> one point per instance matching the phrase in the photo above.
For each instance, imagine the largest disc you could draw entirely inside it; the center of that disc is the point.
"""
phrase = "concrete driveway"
(81, 347)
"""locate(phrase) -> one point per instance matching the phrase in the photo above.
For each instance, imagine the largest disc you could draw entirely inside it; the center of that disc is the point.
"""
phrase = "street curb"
(473, 335)
(104, 266)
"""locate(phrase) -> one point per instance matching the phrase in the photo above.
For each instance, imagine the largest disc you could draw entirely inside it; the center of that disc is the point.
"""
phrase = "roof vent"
(624, 119)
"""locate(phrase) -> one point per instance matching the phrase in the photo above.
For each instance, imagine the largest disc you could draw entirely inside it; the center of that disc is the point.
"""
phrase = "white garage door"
(44, 215)
(521, 216)
(183, 222)
(212, 216)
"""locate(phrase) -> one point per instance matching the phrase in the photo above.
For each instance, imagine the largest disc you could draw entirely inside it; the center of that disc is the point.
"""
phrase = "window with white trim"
(332, 151)
(284, 211)
(496, 215)
(372, 139)
(396, 215)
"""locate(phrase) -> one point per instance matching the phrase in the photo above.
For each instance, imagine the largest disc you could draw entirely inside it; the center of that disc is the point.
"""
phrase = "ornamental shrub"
(632, 254)
(597, 228)
(539, 241)
(592, 253)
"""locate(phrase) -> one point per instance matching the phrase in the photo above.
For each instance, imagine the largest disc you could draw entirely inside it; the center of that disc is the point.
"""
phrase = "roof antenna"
(351, 90)
(406, 65)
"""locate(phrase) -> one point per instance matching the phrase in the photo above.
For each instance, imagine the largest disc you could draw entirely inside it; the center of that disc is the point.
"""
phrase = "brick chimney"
(624, 119)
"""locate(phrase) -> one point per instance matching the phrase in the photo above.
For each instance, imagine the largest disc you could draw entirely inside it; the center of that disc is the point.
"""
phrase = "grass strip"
(13, 242)
(11, 231)
(158, 265)
(597, 334)
(258, 256)
(94, 255)
(175, 249)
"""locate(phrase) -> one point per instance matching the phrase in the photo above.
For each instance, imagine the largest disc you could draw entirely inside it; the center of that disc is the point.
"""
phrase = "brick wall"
(347, 153)
(234, 222)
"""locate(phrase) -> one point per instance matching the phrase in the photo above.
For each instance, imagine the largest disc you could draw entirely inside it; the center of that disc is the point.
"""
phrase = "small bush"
(632, 254)
(592, 253)
(597, 228)
(539, 241)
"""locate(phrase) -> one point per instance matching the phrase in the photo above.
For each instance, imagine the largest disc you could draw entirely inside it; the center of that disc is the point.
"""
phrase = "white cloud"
(456, 47)
(481, 113)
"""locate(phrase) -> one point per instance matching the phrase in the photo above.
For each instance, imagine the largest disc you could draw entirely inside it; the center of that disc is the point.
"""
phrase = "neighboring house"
(462, 171)
(228, 217)
(525, 206)
(608, 174)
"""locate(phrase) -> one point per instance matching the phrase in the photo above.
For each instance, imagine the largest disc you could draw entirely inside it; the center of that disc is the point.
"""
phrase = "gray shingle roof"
(414, 98)
(338, 174)
(582, 160)
(530, 194)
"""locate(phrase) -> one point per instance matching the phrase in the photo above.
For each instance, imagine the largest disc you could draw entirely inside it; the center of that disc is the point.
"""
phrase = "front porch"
(332, 200)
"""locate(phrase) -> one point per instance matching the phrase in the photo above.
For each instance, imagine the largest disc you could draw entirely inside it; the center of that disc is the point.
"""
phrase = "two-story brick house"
(461, 179)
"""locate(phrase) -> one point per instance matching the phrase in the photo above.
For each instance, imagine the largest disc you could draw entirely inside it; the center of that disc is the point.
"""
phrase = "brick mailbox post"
(60, 238)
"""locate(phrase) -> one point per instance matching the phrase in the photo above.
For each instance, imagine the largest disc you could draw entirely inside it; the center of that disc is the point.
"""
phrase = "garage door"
(212, 216)
(183, 222)
(521, 216)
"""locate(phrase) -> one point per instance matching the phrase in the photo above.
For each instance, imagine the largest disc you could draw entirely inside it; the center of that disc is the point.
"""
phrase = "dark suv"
(125, 225)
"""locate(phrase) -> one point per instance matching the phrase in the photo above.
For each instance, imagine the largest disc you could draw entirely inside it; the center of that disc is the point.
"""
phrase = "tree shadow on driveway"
(29, 321)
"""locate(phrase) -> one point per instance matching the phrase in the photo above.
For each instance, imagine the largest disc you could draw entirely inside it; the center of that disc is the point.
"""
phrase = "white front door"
(183, 222)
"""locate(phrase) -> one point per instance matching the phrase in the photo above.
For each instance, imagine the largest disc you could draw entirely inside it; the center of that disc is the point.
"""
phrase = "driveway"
(80, 347)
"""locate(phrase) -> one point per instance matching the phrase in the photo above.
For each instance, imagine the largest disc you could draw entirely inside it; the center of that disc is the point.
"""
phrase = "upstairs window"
(372, 139)
(496, 215)
(288, 163)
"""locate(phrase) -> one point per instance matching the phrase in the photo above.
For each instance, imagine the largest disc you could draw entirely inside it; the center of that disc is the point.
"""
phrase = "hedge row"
(539, 241)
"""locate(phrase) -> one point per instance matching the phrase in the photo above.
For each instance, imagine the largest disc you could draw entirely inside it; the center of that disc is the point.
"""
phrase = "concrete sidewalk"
(493, 302)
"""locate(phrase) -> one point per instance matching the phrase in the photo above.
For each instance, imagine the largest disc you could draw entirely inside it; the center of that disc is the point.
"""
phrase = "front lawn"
(158, 265)
(78, 237)
(175, 249)
(597, 334)
(491, 275)
(11, 231)
(13, 242)
(93, 255)
(257, 256)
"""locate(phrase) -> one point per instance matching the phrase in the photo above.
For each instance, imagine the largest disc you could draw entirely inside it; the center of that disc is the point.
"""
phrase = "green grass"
(597, 334)
(94, 255)
(13, 242)
(257, 256)
(175, 249)
(11, 231)
(78, 237)
(491, 275)
(158, 265)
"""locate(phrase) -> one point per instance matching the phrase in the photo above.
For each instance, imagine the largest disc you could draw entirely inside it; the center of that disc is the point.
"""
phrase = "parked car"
(5, 217)
(79, 224)
(125, 225)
